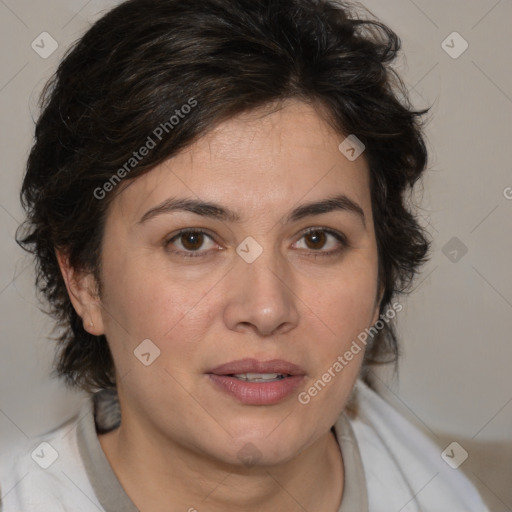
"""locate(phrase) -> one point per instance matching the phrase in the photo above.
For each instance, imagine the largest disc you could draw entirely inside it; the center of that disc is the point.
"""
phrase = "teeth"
(259, 377)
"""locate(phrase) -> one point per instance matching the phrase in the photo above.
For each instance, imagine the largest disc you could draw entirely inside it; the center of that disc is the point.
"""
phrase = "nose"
(260, 297)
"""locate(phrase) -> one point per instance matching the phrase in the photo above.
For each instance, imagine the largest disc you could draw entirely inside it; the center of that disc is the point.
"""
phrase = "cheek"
(144, 299)
(345, 305)
(338, 315)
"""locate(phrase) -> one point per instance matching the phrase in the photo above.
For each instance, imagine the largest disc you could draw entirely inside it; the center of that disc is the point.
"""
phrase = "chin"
(260, 449)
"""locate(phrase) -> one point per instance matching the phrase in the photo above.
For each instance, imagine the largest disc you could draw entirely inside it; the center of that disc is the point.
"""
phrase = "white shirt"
(390, 466)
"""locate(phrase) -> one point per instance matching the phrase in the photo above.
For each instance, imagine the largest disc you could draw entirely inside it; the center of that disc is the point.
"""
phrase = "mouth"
(251, 367)
(260, 377)
(254, 382)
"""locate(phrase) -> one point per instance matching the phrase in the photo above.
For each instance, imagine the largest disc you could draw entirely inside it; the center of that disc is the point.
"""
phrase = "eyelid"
(184, 231)
(336, 234)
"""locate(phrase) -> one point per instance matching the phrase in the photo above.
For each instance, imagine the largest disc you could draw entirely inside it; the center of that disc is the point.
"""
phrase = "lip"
(257, 393)
(255, 366)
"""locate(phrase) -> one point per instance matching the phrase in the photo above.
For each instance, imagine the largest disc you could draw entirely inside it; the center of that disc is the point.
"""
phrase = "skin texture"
(180, 437)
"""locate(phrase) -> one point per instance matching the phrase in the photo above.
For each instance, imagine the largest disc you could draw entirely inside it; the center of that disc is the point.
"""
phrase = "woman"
(216, 201)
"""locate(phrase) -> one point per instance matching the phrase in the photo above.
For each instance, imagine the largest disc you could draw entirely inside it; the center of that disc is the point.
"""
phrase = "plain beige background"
(455, 380)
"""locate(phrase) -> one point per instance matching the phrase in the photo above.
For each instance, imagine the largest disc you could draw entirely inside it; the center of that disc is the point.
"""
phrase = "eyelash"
(316, 254)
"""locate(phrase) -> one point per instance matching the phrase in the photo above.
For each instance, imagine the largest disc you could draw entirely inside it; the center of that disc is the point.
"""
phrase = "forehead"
(255, 163)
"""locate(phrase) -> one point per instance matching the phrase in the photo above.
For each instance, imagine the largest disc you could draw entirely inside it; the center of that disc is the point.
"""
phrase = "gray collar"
(108, 489)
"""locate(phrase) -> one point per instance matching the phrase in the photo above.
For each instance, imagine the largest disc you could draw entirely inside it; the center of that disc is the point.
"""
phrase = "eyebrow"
(340, 202)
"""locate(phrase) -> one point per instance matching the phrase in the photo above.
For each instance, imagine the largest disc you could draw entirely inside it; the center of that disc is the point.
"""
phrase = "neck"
(154, 477)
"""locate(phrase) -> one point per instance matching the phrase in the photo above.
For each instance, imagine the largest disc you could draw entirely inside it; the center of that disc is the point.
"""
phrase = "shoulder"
(403, 467)
(46, 474)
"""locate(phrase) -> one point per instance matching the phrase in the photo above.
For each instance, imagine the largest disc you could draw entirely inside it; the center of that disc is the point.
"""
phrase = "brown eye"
(323, 242)
(192, 241)
(188, 242)
(315, 239)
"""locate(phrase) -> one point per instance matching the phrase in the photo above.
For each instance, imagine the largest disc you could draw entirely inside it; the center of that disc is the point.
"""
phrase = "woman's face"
(252, 293)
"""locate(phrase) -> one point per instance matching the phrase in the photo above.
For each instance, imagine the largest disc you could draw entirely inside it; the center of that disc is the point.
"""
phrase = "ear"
(378, 300)
(82, 289)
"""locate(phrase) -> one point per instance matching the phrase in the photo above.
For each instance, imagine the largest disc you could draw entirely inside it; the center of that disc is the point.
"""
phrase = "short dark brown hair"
(136, 68)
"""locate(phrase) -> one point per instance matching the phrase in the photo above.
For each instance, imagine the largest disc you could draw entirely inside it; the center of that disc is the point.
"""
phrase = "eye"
(189, 241)
(317, 239)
